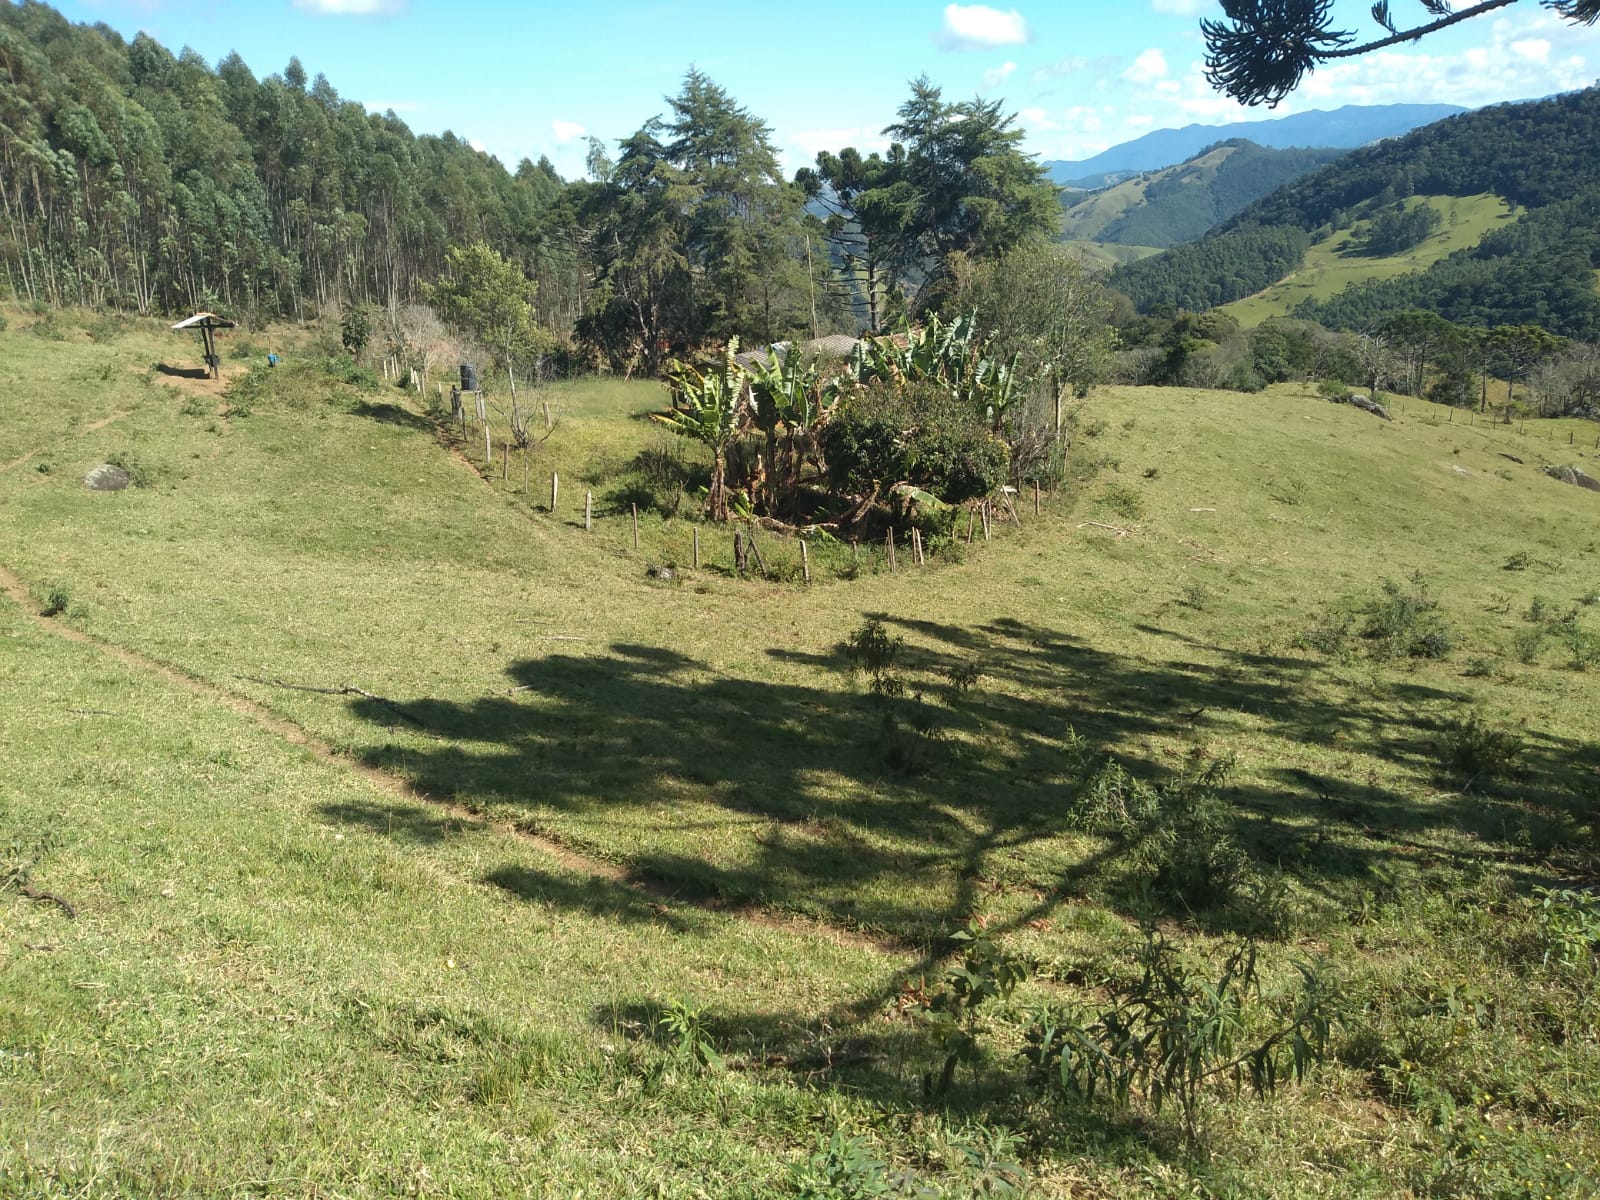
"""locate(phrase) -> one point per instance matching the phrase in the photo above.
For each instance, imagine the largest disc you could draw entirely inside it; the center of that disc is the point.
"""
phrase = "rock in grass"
(1574, 476)
(1365, 404)
(660, 572)
(107, 477)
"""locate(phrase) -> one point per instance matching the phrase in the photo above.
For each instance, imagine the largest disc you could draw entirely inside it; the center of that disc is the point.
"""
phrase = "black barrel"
(469, 377)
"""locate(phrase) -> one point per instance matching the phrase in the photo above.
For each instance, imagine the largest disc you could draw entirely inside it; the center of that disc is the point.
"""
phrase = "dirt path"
(92, 427)
(396, 786)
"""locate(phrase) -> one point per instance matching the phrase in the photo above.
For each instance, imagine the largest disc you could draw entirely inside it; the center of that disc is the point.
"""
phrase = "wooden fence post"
(755, 550)
(738, 551)
(1036, 497)
(888, 548)
(972, 520)
(805, 561)
(555, 491)
(984, 512)
(524, 470)
(635, 526)
(588, 511)
(696, 559)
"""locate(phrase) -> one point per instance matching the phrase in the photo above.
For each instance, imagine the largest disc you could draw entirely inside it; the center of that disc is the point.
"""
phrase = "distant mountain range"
(1345, 128)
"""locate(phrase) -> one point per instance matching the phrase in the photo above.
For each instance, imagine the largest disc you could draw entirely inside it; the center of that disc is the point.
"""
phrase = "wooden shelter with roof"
(208, 324)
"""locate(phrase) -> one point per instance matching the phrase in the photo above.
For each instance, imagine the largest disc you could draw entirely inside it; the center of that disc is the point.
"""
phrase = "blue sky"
(531, 78)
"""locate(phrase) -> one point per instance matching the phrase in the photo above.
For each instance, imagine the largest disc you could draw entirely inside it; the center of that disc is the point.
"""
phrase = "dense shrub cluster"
(920, 435)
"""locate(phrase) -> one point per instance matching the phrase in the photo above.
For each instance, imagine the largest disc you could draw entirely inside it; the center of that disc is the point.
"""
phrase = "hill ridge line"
(16, 590)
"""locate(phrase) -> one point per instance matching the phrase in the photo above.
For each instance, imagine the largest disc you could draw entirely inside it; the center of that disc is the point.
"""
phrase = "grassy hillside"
(1333, 263)
(1534, 268)
(1109, 254)
(1180, 203)
(396, 810)
(1090, 217)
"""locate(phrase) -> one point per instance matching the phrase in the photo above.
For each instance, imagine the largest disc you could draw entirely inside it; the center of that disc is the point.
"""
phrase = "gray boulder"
(107, 477)
(1574, 476)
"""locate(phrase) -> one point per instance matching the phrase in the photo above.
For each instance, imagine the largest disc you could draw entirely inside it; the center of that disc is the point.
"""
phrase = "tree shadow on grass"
(173, 372)
(907, 815)
(403, 823)
(890, 1062)
(594, 895)
(392, 414)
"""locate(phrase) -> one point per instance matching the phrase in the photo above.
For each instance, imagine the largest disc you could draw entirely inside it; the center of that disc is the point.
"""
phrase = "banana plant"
(950, 354)
(710, 407)
(793, 397)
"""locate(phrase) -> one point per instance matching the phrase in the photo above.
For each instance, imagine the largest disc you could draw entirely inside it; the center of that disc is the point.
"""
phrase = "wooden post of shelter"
(208, 324)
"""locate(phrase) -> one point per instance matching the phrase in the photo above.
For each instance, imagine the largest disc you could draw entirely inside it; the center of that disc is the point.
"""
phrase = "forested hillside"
(1214, 270)
(1181, 203)
(136, 178)
(1532, 154)
(1539, 270)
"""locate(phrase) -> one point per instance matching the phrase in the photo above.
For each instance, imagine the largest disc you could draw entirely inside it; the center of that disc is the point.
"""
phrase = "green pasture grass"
(708, 734)
(1101, 209)
(1111, 254)
(284, 980)
(1330, 266)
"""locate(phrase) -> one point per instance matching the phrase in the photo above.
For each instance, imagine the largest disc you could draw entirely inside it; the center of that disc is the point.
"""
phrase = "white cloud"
(979, 27)
(995, 76)
(1181, 8)
(566, 131)
(1514, 61)
(478, 146)
(1148, 67)
(352, 8)
(1536, 54)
